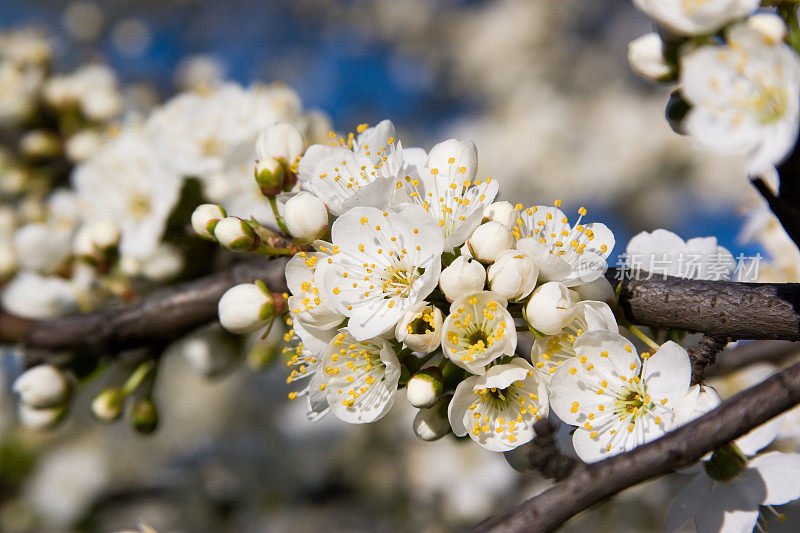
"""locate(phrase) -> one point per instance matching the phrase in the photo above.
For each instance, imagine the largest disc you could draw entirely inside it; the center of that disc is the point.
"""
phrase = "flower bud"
(245, 308)
(39, 144)
(420, 328)
(550, 308)
(102, 105)
(209, 351)
(41, 387)
(45, 418)
(235, 234)
(81, 145)
(282, 141)
(96, 236)
(599, 290)
(269, 174)
(143, 416)
(107, 406)
(769, 25)
(41, 247)
(464, 275)
(490, 240)
(425, 387)
(646, 57)
(462, 154)
(305, 216)
(205, 218)
(513, 275)
(432, 424)
(499, 212)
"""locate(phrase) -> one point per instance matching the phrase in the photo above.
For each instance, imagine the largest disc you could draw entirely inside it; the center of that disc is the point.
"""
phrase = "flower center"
(139, 205)
(398, 280)
(770, 104)
(422, 324)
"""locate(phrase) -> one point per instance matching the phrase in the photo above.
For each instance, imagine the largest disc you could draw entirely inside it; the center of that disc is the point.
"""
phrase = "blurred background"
(544, 90)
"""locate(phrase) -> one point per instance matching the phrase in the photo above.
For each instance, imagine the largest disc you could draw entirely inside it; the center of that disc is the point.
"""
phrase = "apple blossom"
(464, 275)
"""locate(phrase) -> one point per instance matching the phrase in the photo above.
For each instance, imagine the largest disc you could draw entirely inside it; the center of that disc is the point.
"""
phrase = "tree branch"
(704, 355)
(588, 484)
(719, 308)
(158, 318)
(751, 352)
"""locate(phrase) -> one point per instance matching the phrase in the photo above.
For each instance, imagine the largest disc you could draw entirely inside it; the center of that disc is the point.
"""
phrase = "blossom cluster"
(739, 80)
(414, 276)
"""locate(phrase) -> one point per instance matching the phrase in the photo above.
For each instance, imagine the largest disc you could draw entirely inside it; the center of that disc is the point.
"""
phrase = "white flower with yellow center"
(382, 264)
(305, 361)
(617, 399)
(478, 330)
(357, 171)
(127, 183)
(550, 351)
(744, 97)
(359, 378)
(695, 17)
(498, 409)
(570, 254)
(446, 187)
(307, 304)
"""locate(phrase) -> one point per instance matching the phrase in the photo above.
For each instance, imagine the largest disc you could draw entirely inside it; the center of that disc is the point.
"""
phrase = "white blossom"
(359, 378)
(446, 187)
(281, 141)
(244, 308)
(382, 264)
(360, 171)
(618, 399)
(646, 57)
(205, 218)
(550, 351)
(498, 409)
(420, 329)
(663, 253)
(695, 17)
(42, 386)
(569, 254)
(744, 97)
(307, 304)
(127, 183)
(478, 330)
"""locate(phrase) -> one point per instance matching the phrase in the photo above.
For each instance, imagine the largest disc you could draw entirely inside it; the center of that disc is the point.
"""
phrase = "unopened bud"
(490, 240)
(235, 234)
(96, 236)
(41, 387)
(432, 423)
(550, 308)
(463, 276)
(769, 25)
(39, 144)
(107, 406)
(246, 308)
(305, 216)
(513, 276)
(500, 212)
(45, 418)
(282, 141)
(205, 218)
(270, 175)
(425, 387)
(646, 57)
(143, 416)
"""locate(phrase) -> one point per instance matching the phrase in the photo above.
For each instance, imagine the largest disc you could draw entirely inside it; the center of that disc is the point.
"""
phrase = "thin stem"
(137, 377)
(647, 340)
(279, 219)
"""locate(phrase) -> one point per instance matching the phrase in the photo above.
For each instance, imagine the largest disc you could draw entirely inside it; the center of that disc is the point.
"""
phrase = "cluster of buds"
(44, 393)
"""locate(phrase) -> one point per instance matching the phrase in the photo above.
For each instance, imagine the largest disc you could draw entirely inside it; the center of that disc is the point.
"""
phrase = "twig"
(704, 355)
(544, 454)
(787, 213)
(588, 484)
(751, 352)
(159, 318)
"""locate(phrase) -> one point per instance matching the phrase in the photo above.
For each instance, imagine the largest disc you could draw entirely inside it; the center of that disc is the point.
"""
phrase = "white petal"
(779, 472)
(668, 373)
(688, 502)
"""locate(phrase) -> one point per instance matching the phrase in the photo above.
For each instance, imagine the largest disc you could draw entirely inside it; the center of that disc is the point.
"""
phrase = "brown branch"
(588, 484)
(704, 355)
(751, 352)
(787, 213)
(544, 455)
(719, 308)
(158, 318)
